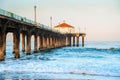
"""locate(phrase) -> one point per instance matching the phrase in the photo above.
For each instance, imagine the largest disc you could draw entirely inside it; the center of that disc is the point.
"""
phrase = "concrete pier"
(44, 38)
(75, 41)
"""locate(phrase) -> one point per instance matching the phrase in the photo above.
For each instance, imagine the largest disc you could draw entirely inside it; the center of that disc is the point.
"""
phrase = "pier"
(44, 36)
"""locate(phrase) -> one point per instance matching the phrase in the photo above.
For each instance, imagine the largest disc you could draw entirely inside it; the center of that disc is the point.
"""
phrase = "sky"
(100, 19)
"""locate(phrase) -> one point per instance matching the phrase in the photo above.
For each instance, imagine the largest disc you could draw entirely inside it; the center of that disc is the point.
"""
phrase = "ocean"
(96, 61)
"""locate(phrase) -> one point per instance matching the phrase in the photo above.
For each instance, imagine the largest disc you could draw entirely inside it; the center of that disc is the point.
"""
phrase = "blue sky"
(100, 17)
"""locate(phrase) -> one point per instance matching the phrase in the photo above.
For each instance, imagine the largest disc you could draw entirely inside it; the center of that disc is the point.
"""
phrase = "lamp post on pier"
(51, 22)
(35, 14)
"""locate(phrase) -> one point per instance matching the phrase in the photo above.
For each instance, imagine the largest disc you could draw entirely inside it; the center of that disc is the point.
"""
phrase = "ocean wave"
(83, 50)
(60, 72)
(111, 49)
(95, 74)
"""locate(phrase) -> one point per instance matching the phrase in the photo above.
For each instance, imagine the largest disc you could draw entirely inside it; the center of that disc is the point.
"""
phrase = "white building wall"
(65, 30)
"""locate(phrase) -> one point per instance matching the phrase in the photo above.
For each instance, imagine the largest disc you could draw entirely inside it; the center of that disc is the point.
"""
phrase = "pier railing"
(24, 19)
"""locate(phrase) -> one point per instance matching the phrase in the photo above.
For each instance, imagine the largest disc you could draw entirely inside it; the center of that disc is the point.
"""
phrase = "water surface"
(96, 61)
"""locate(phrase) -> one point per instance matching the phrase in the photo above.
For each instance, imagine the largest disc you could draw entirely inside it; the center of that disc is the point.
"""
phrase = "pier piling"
(77, 44)
(23, 42)
(83, 40)
(2, 45)
(35, 43)
(28, 47)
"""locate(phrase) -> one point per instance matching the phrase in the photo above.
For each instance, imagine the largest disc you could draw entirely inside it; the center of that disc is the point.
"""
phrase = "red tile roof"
(63, 25)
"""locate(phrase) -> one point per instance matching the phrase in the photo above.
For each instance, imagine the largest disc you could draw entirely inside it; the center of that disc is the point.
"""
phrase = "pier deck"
(44, 36)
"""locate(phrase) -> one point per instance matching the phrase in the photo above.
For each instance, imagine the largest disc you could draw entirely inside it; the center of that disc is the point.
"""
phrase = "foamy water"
(96, 61)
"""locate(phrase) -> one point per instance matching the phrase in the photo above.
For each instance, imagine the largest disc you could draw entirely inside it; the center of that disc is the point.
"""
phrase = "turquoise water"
(96, 61)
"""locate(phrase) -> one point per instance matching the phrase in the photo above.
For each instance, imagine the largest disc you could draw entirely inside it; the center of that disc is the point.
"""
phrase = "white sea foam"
(69, 61)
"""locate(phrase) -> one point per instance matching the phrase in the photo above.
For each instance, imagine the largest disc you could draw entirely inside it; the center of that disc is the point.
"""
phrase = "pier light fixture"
(51, 21)
(35, 15)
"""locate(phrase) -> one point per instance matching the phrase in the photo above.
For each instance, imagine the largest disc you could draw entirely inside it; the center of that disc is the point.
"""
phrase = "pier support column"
(2, 44)
(28, 47)
(35, 43)
(14, 42)
(70, 41)
(77, 42)
(23, 42)
(16, 39)
(40, 42)
(5, 44)
(55, 42)
(44, 42)
(61, 42)
(51, 42)
(48, 42)
(66, 41)
(73, 40)
(83, 40)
